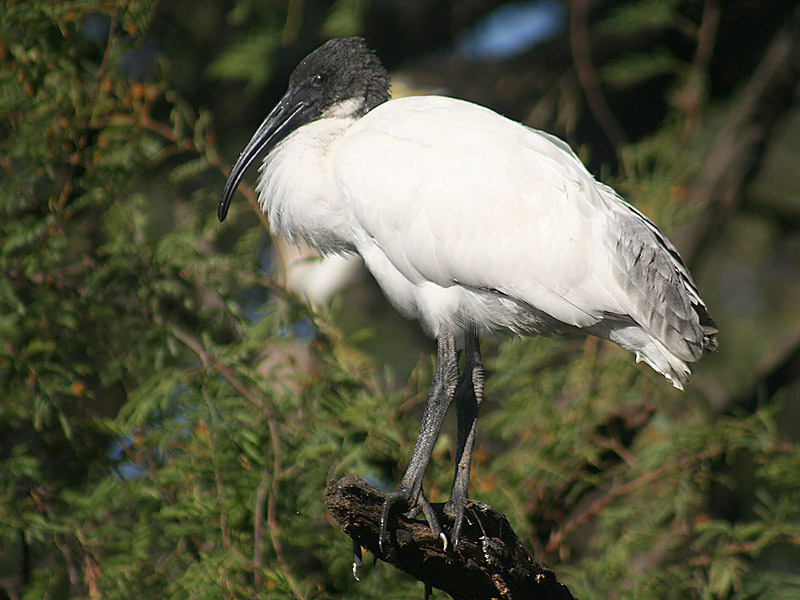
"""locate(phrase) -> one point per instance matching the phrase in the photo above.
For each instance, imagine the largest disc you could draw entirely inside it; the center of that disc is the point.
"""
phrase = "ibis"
(471, 224)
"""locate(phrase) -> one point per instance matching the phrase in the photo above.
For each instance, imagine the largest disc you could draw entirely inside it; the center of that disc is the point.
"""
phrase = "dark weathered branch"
(490, 561)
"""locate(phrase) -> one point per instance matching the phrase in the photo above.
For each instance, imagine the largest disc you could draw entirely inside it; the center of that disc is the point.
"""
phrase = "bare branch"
(490, 561)
(587, 75)
(737, 148)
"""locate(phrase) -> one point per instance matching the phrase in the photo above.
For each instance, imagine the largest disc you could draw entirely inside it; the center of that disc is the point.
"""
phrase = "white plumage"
(478, 221)
(471, 224)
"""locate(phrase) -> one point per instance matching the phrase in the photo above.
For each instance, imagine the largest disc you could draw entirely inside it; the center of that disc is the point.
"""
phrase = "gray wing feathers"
(660, 302)
(666, 302)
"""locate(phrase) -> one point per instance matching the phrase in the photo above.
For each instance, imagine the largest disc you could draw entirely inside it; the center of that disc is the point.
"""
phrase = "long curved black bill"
(289, 114)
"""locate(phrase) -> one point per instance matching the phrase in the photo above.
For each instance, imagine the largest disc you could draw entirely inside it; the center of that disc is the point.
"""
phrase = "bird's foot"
(356, 559)
(455, 509)
(400, 501)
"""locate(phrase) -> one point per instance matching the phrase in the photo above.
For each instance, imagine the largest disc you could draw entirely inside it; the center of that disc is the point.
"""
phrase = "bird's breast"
(298, 192)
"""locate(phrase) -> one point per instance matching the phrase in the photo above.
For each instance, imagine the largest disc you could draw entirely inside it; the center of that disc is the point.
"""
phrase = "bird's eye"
(319, 80)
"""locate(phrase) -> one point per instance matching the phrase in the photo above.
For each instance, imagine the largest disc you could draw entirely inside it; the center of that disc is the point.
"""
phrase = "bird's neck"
(297, 189)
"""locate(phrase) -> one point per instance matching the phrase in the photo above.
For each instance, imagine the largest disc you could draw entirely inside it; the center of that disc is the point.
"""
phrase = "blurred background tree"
(170, 413)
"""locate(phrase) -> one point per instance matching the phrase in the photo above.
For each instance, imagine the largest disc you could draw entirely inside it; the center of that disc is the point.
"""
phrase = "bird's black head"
(343, 77)
(343, 69)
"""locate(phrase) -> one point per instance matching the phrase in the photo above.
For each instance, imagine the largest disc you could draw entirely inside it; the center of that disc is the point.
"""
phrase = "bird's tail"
(647, 348)
(709, 328)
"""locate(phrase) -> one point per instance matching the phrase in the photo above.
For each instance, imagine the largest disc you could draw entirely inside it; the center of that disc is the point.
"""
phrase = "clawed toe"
(400, 497)
(356, 559)
(400, 501)
(433, 521)
(456, 511)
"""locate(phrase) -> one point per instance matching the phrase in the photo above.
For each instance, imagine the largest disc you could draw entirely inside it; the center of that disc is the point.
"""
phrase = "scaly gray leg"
(468, 399)
(409, 495)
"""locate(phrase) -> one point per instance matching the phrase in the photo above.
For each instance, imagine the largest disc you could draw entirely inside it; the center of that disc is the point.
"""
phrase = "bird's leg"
(468, 399)
(409, 495)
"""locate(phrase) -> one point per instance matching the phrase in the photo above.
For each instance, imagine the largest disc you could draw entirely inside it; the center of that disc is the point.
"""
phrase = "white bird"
(472, 224)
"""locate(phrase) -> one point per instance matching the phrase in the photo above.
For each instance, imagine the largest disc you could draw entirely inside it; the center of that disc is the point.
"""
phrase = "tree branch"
(736, 151)
(587, 75)
(490, 561)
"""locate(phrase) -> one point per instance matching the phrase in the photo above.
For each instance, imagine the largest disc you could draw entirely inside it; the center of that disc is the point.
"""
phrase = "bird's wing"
(654, 282)
(454, 194)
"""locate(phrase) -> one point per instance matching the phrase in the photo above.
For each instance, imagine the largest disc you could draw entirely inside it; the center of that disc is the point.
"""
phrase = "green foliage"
(646, 14)
(249, 59)
(162, 434)
(638, 67)
(156, 440)
(344, 19)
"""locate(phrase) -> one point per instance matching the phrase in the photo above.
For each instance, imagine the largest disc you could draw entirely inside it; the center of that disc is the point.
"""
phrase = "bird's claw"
(401, 497)
(392, 500)
(356, 559)
(455, 509)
